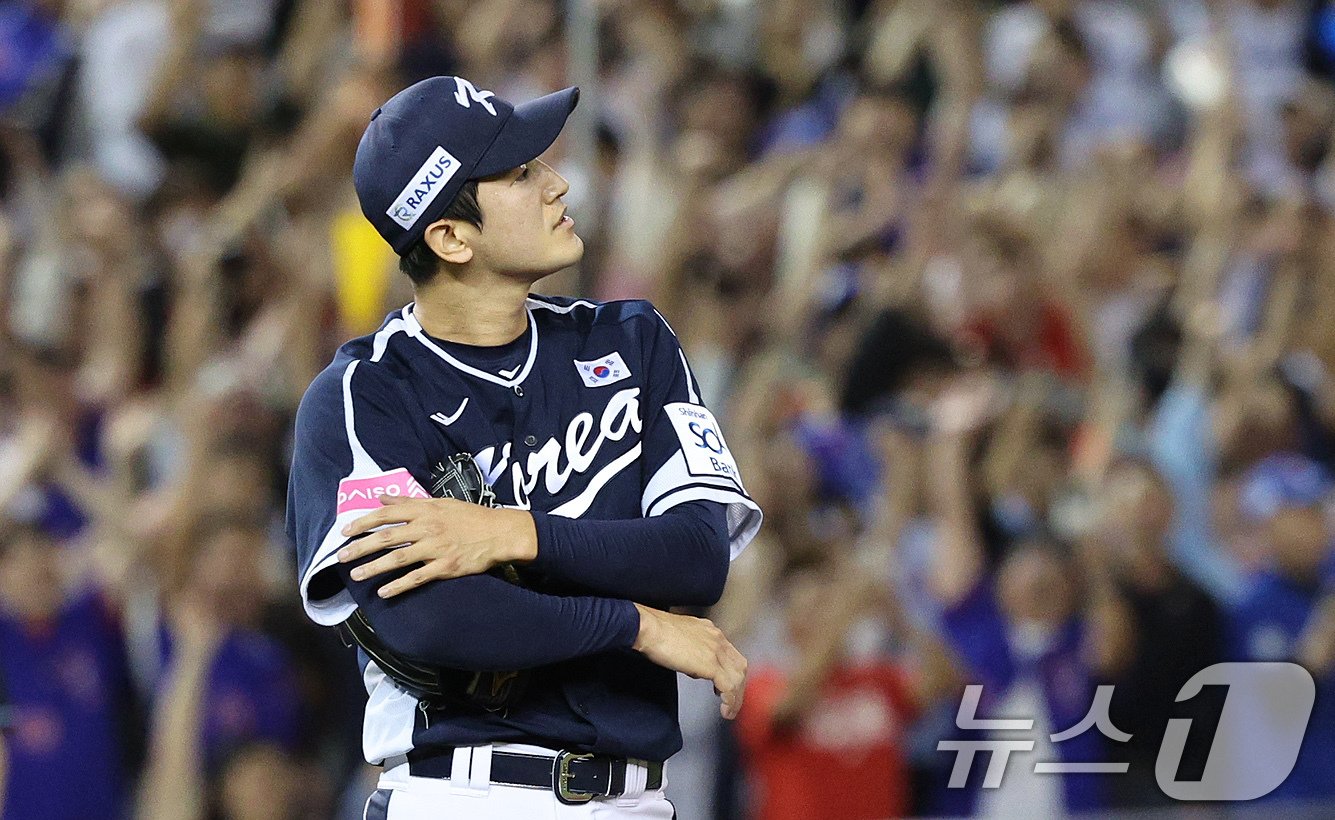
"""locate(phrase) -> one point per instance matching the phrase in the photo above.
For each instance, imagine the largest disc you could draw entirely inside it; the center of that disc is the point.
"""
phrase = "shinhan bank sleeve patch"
(707, 454)
(365, 493)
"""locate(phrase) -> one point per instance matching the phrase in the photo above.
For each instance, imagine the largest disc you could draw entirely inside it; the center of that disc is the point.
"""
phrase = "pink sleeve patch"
(365, 493)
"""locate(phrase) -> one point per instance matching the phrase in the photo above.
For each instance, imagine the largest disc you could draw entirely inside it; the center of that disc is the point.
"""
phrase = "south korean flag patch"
(604, 370)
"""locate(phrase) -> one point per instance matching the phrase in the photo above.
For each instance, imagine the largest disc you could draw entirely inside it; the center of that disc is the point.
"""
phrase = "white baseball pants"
(401, 796)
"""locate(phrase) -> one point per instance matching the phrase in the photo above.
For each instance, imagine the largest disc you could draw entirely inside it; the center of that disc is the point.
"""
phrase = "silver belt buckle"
(561, 778)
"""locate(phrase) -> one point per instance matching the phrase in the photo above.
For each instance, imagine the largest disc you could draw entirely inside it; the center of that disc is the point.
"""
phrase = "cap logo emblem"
(465, 92)
(424, 187)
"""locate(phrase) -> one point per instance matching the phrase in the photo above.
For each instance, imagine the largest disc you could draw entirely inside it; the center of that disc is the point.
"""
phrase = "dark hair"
(895, 347)
(420, 263)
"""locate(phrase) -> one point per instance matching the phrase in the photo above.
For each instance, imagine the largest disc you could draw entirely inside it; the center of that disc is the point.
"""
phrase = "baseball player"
(497, 496)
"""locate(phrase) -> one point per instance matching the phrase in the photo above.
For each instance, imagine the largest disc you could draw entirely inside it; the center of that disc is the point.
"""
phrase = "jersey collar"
(414, 329)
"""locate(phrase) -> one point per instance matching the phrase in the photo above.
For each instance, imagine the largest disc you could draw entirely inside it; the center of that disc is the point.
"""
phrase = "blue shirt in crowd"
(69, 688)
(252, 695)
(978, 631)
(1266, 626)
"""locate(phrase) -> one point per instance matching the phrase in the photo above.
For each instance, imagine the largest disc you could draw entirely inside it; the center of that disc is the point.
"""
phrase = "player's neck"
(485, 313)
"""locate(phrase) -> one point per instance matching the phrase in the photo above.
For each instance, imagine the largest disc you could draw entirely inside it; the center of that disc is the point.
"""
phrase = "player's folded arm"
(679, 558)
(483, 623)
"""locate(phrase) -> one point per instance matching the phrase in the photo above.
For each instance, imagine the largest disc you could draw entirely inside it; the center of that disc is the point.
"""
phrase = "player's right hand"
(695, 647)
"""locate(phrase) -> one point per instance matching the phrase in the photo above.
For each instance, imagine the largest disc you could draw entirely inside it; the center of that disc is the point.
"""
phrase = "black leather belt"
(575, 778)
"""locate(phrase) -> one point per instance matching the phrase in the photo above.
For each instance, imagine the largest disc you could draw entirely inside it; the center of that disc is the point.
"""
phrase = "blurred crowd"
(1017, 315)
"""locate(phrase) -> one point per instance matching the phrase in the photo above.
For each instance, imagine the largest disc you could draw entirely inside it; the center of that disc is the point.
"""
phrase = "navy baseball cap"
(430, 138)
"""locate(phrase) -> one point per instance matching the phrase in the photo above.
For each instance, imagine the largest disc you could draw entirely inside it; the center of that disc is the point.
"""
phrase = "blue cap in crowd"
(1281, 482)
(432, 137)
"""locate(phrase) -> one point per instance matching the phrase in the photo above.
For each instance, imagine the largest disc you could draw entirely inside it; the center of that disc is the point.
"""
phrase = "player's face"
(525, 233)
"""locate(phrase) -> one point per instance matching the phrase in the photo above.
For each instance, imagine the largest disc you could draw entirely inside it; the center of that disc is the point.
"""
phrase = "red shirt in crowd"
(844, 760)
(1051, 341)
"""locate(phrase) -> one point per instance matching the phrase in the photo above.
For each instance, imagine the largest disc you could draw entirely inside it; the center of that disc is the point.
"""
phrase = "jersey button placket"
(519, 391)
(530, 440)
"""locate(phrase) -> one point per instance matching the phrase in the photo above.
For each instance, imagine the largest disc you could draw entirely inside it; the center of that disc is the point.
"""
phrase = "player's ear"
(450, 240)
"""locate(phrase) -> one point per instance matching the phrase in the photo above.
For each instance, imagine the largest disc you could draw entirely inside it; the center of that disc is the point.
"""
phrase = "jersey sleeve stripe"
(336, 608)
(690, 380)
(664, 320)
(691, 393)
(674, 475)
(361, 460)
(382, 337)
(743, 514)
(722, 484)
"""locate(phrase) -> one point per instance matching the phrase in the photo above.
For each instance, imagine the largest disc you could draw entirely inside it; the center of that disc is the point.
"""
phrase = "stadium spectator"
(63, 660)
(1176, 628)
(826, 738)
(251, 689)
(255, 782)
(1033, 632)
(1287, 612)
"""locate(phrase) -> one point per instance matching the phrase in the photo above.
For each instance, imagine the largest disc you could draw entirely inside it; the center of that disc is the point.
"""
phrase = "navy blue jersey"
(591, 414)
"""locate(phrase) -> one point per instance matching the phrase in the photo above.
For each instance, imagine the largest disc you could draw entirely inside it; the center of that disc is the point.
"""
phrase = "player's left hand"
(449, 538)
